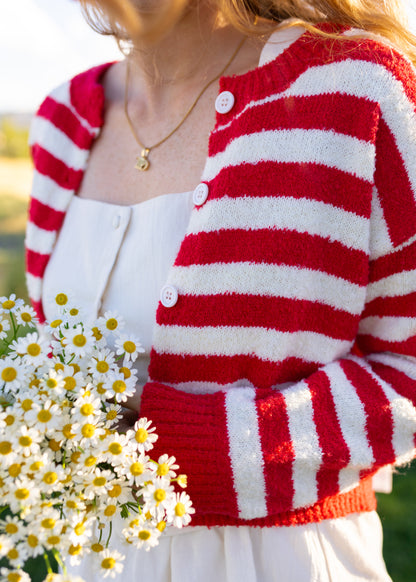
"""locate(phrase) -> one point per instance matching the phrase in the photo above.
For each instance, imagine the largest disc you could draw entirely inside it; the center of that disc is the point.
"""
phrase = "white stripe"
(39, 240)
(201, 387)
(335, 150)
(48, 192)
(52, 139)
(352, 418)
(395, 285)
(271, 280)
(405, 364)
(245, 452)
(305, 442)
(34, 286)
(280, 212)
(62, 95)
(348, 479)
(404, 419)
(391, 329)
(380, 243)
(267, 344)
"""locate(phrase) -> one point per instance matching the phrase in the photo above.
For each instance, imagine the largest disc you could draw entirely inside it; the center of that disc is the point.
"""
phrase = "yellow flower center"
(70, 383)
(97, 547)
(162, 469)
(73, 311)
(144, 534)
(21, 493)
(125, 371)
(115, 491)
(102, 367)
(54, 445)
(159, 495)
(34, 349)
(36, 466)
(11, 528)
(32, 540)
(79, 529)
(9, 420)
(67, 431)
(100, 388)
(26, 404)
(180, 509)
(74, 550)
(75, 456)
(14, 577)
(13, 554)
(108, 563)
(141, 435)
(25, 441)
(26, 317)
(88, 430)
(9, 374)
(61, 299)
(44, 416)
(129, 347)
(48, 523)
(97, 333)
(161, 526)
(71, 504)
(87, 409)
(56, 323)
(115, 448)
(111, 323)
(99, 481)
(90, 461)
(53, 540)
(110, 510)
(50, 477)
(136, 469)
(111, 414)
(14, 470)
(5, 448)
(79, 340)
(51, 383)
(8, 304)
(119, 386)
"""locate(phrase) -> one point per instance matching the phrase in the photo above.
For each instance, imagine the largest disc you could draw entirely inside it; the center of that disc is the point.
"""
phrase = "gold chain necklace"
(142, 161)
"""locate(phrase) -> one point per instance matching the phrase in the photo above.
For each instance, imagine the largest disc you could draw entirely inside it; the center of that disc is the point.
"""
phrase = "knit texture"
(284, 376)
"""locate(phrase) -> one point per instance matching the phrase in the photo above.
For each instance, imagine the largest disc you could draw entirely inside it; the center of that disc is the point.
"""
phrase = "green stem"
(48, 563)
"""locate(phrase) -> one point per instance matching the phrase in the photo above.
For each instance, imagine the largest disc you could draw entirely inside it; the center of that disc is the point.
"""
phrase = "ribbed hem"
(358, 500)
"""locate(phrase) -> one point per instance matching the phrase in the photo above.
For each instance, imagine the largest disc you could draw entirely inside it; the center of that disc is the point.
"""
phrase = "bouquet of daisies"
(65, 470)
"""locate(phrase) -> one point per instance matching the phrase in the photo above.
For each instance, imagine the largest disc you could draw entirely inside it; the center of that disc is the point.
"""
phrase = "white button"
(200, 194)
(116, 221)
(168, 295)
(224, 102)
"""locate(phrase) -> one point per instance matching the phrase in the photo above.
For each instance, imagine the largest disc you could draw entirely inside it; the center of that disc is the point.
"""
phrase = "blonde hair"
(386, 18)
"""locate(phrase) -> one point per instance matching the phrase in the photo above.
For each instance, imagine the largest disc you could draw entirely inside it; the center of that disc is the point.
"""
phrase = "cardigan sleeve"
(279, 450)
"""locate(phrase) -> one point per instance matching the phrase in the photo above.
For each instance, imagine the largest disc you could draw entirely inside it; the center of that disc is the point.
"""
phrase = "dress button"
(224, 102)
(116, 221)
(200, 194)
(168, 296)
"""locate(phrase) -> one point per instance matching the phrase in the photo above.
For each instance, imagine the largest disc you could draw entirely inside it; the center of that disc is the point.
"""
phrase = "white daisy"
(180, 511)
(46, 418)
(86, 408)
(137, 469)
(14, 575)
(129, 346)
(10, 304)
(5, 545)
(33, 543)
(22, 494)
(54, 384)
(78, 341)
(26, 315)
(27, 441)
(119, 388)
(143, 534)
(166, 467)
(111, 563)
(13, 374)
(143, 435)
(4, 327)
(101, 363)
(13, 527)
(157, 494)
(110, 322)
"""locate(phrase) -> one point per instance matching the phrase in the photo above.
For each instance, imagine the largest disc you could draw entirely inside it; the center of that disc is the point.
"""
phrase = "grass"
(397, 510)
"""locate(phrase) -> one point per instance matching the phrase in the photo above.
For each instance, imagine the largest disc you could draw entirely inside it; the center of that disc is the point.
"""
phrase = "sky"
(45, 42)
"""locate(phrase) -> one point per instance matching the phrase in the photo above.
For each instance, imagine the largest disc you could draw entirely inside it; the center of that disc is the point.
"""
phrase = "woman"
(279, 368)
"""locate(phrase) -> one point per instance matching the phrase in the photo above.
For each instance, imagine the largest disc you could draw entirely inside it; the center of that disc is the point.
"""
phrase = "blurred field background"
(397, 510)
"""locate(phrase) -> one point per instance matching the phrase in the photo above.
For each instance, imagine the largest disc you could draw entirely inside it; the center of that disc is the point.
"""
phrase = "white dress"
(112, 257)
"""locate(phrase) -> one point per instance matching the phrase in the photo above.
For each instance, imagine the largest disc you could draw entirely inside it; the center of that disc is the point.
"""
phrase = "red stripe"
(44, 216)
(176, 368)
(335, 452)
(37, 306)
(400, 261)
(400, 306)
(66, 121)
(294, 180)
(48, 165)
(370, 344)
(403, 384)
(277, 449)
(277, 247)
(193, 429)
(331, 112)
(279, 313)
(377, 408)
(395, 191)
(36, 263)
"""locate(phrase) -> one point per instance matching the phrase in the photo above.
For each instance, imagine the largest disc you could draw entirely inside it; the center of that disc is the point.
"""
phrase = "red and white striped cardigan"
(284, 376)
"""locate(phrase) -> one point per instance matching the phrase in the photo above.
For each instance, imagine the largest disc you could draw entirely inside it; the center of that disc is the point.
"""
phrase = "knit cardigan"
(284, 376)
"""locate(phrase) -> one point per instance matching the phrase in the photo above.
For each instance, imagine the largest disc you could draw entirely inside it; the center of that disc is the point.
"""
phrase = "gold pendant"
(142, 163)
